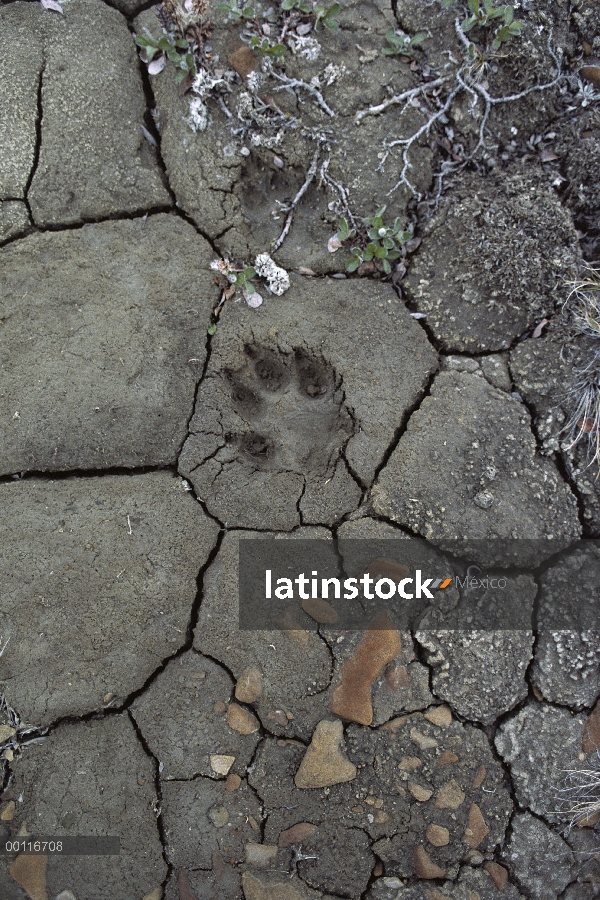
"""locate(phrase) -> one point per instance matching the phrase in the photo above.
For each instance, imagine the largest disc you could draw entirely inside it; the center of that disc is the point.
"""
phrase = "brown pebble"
(423, 741)
(249, 686)
(296, 834)
(29, 871)
(321, 611)
(591, 74)
(479, 777)
(8, 812)
(379, 646)
(324, 762)
(232, 782)
(278, 717)
(396, 677)
(156, 894)
(219, 708)
(438, 835)
(591, 732)
(497, 873)
(425, 866)
(447, 758)
(183, 886)
(409, 763)
(537, 693)
(439, 715)
(450, 796)
(242, 720)
(221, 764)
(394, 724)
(589, 821)
(378, 869)
(253, 823)
(243, 60)
(420, 793)
(477, 830)
(6, 732)
(260, 854)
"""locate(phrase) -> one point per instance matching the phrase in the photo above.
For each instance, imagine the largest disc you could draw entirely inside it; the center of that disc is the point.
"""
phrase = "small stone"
(447, 758)
(450, 796)
(296, 834)
(243, 60)
(396, 677)
(484, 499)
(321, 611)
(477, 830)
(249, 686)
(378, 869)
(69, 895)
(324, 763)
(420, 793)
(156, 894)
(221, 764)
(438, 835)
(479, 777)
(183, 886)
(258, 890)
(439, 715)
(422, 740)
(497, 873)
(29, 871)
(219, 816)
(278, 717)
(591, 733)
(9, 755)
(219, 708)
(232, 783)
(260, 854)
(8, 812)
(409, 763)
(379, 646)
(425, 866)
(107, 698)
(253, 823)
(242, 720)
(6, 733)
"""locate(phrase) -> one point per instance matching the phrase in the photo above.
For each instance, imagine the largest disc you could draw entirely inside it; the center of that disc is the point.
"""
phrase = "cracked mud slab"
(295, 402)
(90, 778)
(14, 218)
(468, 466)
(107, 375)
(91, 609)
(243, 191)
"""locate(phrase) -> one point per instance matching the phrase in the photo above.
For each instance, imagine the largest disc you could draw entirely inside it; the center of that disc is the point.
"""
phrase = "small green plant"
(485, 14)
(384, 242)
(303, 6)
(326, 17)
(170, 47)
(235, 11)
(264, 46)
(401, 43)
(243, 278)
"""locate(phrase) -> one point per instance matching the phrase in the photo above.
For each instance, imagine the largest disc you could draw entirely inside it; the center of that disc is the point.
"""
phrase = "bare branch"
(312, 171)
(405, 97)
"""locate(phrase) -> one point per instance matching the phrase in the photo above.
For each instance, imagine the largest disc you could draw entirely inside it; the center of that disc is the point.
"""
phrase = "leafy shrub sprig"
(170, 47)
(401, 43)
(384, 242)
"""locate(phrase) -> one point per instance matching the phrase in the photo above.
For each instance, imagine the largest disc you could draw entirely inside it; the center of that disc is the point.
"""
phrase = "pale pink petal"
(157, 65)
(253, 300)
(333, 243)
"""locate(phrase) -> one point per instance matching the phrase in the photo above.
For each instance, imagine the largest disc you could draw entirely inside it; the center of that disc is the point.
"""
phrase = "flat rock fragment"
(435, 476)
(520, 245)
(94, 160)
(274, 435)
(539, 744)
(352, 698)
(120, 312)
(99, 579)
(77, 782)
(178, 719)
(325, 762)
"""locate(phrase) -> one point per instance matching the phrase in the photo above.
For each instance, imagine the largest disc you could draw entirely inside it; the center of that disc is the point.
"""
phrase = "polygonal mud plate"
(104, 339)
(301, 399)
(493, 262)
(237, 178)
(91, 778)
(467, 468)
(98, 583)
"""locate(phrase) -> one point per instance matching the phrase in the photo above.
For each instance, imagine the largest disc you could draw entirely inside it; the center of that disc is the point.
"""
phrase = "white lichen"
(204, 85)
(306, 47)
(277, 278)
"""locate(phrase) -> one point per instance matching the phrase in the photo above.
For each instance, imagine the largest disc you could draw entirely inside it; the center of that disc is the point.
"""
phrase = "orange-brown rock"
(439, 715)
(425, 866)
(242, 720)
(479, 777)
(29, 871)
(438, 835)
(243, 60)
(497, 873)
(296, 834)
(476, 829)
(447, 758)
(450, 796)
(321, 611)
(249, 685)
(232, 783)
(591, 732)
(396, 678)
(379, 646)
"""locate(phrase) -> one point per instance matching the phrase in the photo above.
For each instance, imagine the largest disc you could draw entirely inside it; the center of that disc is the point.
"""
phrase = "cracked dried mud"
(151, 419)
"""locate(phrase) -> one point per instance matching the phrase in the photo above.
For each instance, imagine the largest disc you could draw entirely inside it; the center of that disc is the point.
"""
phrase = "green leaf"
(183, 44)
(474, 7)
(343, 231)
(381, 253)
(386, 267)
(333, 10)
(393, 254)
(288, 4)
(248, 12)
(165, 44)
(179, 76)
(212, 328)
(143, 42)
(388, 243)
(151, 53)
(332, 24)
(515, 27)
(496, 44)
(418, 38)
(380, 212)
(468, 24)
(249, 273)
(509, 15)
(353, 264)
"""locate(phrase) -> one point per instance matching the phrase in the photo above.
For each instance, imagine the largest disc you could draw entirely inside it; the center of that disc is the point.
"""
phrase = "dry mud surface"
(143, 435)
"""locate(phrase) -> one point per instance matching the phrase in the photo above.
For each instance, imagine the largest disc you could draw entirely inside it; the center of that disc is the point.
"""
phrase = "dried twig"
(312, 171)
